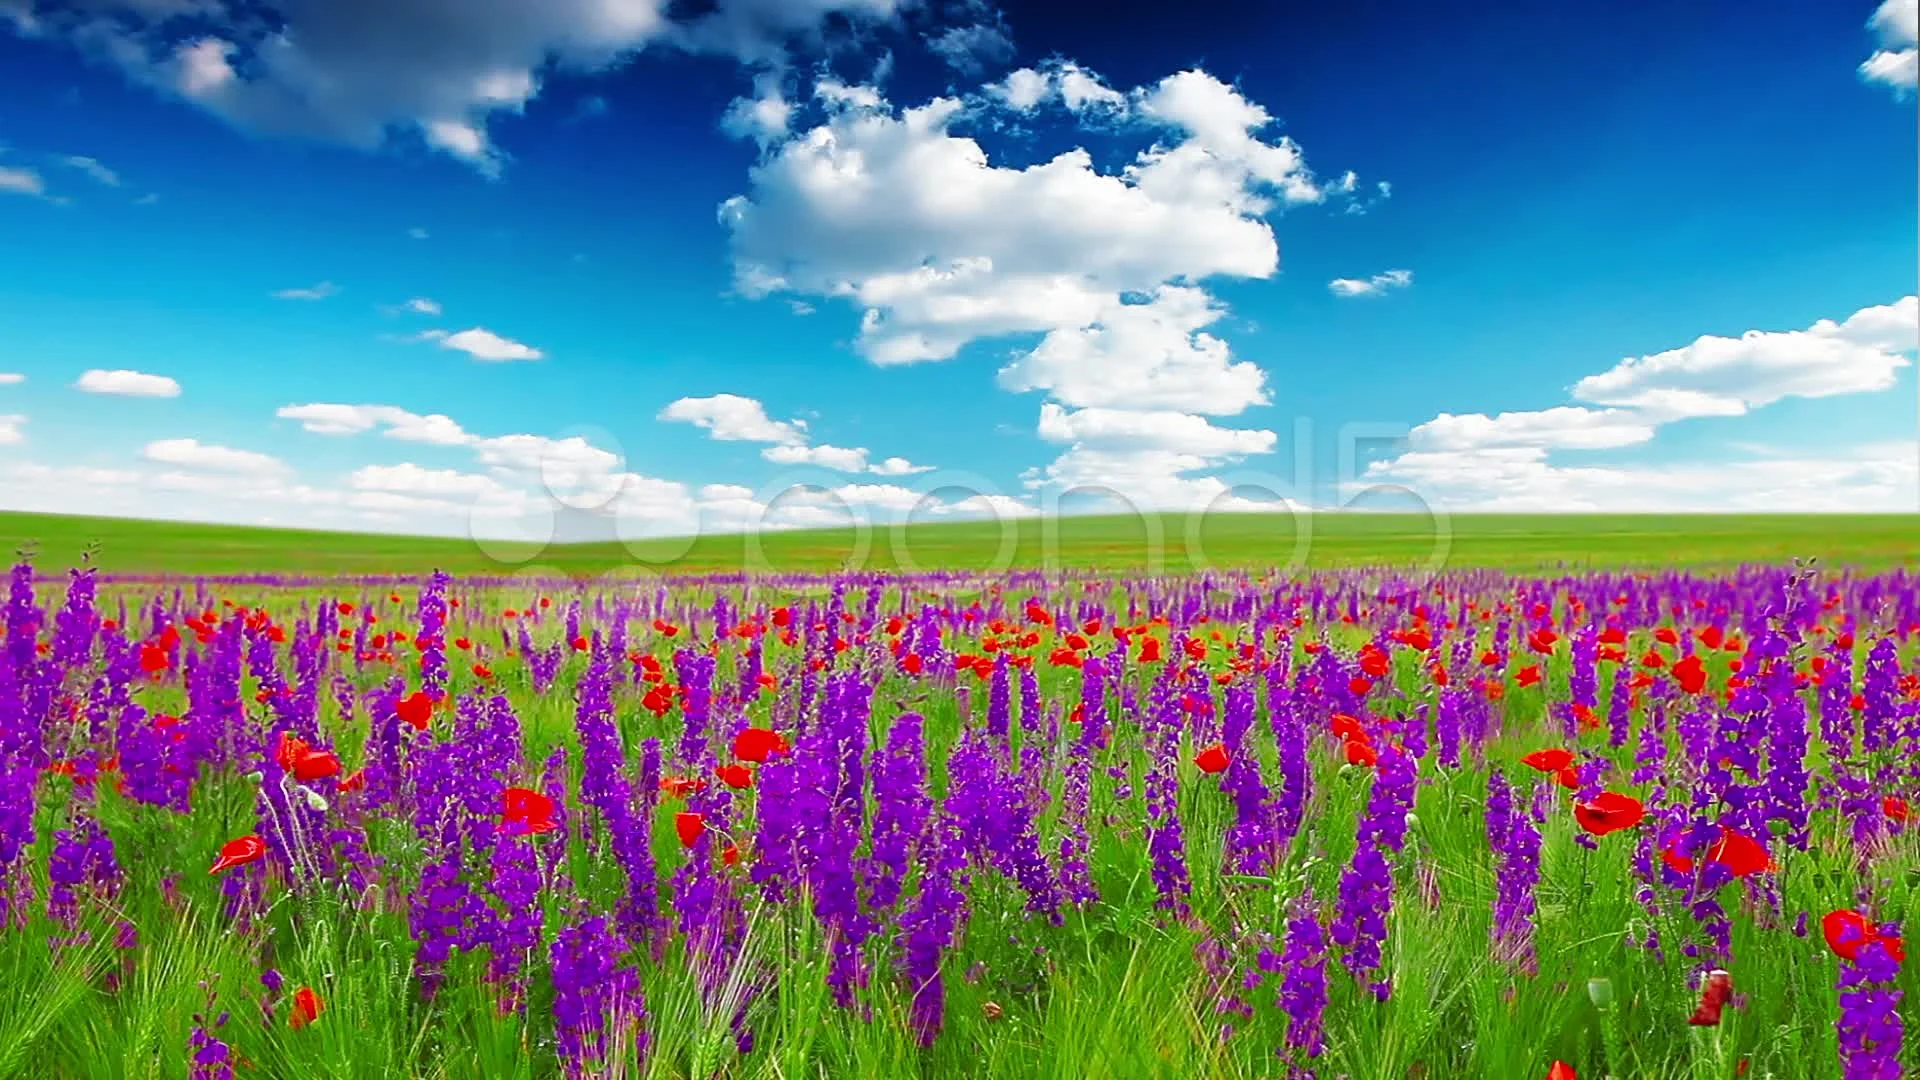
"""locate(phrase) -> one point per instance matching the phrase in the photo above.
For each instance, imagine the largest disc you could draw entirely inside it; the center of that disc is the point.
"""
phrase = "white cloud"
(1141, 460)
(1720, 376)
(11, 378)
(914, 225)
(193, 454)
(1565, 427)
(10, 433)
(732, 418)
(93, 168)
(410, 479)
(417, 233)
(1504, 462)
(972, 48)
(1521, 479)
(124, 383)
(938, 247)
(21, 181)
(315, 292)
(1373, 286)
(483, 344)
(356, 73)
(763, 117)
(1128, 429)
(827, 457)
(897, 466)
(330, 419)
(1154, 354)
(420, 305)
(1897, 61)
(1076, 88)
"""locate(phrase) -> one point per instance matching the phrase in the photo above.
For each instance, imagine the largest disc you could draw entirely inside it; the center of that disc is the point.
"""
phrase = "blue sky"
(762, 263)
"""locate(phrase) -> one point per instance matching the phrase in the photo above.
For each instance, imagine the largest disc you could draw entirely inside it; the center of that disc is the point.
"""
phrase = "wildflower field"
(1069, 824)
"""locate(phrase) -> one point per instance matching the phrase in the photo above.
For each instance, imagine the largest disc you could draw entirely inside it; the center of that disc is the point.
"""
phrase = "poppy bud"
(256, 777)
(315, 800)
(1600, 991)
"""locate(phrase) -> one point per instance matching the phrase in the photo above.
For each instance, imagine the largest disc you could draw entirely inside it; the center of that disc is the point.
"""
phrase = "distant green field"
(1165, 543)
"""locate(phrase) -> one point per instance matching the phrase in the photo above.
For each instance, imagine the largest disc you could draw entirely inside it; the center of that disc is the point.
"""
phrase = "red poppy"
(1847, 932)
(1373, 662)
(580, 643)
(354, 781)
(1651, 659)
(1529, 675)
(239, 852)
(1560, 1070)
(729, 855)
(526, 812)
(1738, 852)
(1542, 641)
(1552, 760)
(690, 826)
(1715, 994)
(682, 786)
(912, 664)
(1213, 759)
(1361, 752)
(738, 777)
(1608, 812)
(1346, 727)
(1360, 686)
(1665, 635)
(314, 765)
(306, 1008)
(1691, 674)
(1568, 778)
(1150, 650)
(153, 659)
(1895, 808)
(1613, 635)
(1711, 637)
(758, 744)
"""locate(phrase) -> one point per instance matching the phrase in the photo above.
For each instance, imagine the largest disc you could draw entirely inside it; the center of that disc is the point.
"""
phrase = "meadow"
(1600, 797)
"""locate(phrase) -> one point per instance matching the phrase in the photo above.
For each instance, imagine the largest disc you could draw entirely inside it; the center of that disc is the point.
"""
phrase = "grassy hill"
(1163, 543)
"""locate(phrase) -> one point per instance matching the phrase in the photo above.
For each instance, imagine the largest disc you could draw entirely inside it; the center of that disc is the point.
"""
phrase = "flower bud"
(315, 800)
(1600, 992)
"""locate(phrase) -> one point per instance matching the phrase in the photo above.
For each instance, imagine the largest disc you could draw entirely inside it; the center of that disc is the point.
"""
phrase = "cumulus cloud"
(420, 305)
(1896, 23)
(732, 418)
(354, 72)
(194, 454)
(1564, 427)
(1153, 353)
(1722, 376)
(11, 433)
(395, 423)
(124, 383)
(1372, 286)
(1506, 461)
(899, 213)
(1523, 479)
(483, 345)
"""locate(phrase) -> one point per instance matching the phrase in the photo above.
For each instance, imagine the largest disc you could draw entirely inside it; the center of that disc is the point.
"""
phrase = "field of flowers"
(872, 826)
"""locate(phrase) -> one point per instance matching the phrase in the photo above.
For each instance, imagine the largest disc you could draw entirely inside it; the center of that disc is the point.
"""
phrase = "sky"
(507, 269)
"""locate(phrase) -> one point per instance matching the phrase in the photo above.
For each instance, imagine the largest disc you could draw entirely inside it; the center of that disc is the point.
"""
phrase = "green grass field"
(1166, 543)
